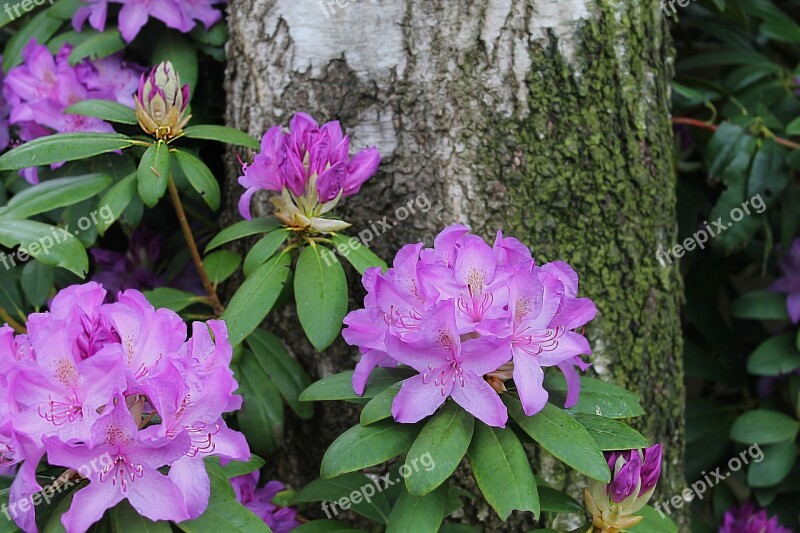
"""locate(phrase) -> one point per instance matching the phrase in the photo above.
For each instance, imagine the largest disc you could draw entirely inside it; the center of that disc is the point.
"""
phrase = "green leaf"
(320, 290)
(97, 45)
(654, 522)
(764, 427)
(380, 407)
(418, 514)
(41, 27)
(444, 439)
(243, 229)
(171, 298)
(340, 386)
(255, 297)
(221, 265)
(325, 526)
(37, 283)
(153, 173)
(369, 500)
(49, 245)
(104, 110)
(200, 176)
(53, 194)
(240, 468)
(264, 249)
(794, 127)
(773, 468)
(221, 134)
(224, 513)
(760, 305)
(555, 501)
(62, 147)
(561, 435)
(125, 518)
(358, 255)
(286, 373)
(64, 9)
(174, 47)
(117, 198)
(610, 434)
(769, 173)
(360, 447)
(776, 356)
(261, 416)
(54, 524)
(502, 470)
(597, 397)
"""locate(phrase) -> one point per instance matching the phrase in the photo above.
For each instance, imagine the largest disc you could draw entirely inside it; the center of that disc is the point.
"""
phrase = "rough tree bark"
(548, 119)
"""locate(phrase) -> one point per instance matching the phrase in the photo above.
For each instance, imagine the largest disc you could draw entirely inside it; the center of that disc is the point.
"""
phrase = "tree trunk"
(547, 119)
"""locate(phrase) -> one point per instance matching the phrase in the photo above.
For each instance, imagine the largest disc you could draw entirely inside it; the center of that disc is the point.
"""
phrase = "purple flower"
(260, 501)
(43, 86)
(468, 317)
(790, 282)
(747, 519)
(634, 475)
(310, 166)
(178, 14)
(117, 393)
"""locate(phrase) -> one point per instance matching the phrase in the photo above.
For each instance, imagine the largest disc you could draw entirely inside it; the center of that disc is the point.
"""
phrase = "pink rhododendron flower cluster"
(260, 501)
(117, 393)
(310, 166)
(42, 87)
(748, 519)
(178, 14)
(468, 316)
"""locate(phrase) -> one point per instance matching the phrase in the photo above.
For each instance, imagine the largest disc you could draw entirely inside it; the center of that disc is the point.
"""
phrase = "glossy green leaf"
(555, 501)
(125, 518)
(563, 436)
(117, 198)
(611, 434)
(200, 177)
(221, 134)
(48, 244)
(360, 447)
(243, 229)
(760, 305)
(104, 110)
(794, 127)
(653, 522)
(264, 249)
(320, 291)
(170, 298)
(776, 464)
(240, 468)
(340, 386)
(288, 376)
(221, 265)
(173, 46)
(351, 490)
(597, 397)
(255, 297)
(422, 514)
(53, 194)
(153, 173)
(776, 356)
(62, 147)
(37, 283)
(97, 45)
(442, 443)
(502, 470)
(261, 416)
(380, 407)
(762, 426)
(358, 255)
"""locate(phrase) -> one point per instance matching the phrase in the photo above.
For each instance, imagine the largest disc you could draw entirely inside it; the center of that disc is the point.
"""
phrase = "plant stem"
(198, 261)
(713, 127)
(19, 328)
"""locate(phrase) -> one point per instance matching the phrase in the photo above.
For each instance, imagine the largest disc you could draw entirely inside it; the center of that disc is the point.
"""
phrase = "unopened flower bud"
(161, 102)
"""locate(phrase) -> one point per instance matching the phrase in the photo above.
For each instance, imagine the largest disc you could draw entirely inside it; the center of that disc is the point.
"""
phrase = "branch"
(198, 261)
(19, 328)
(713, 127)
